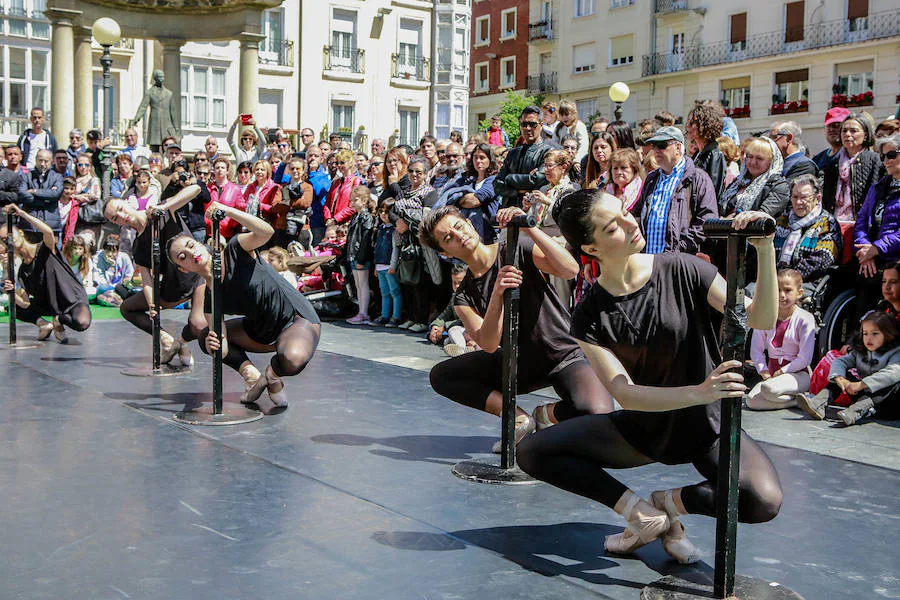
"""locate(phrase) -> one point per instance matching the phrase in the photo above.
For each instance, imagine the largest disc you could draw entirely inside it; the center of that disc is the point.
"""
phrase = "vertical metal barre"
(216, 295)
(510, 354)
(11, 274)
(156, 274)
(734, 338)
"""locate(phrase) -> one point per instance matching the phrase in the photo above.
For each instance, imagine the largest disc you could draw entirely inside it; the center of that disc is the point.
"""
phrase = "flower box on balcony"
(784, 108)
(864, 99)
(738, 112)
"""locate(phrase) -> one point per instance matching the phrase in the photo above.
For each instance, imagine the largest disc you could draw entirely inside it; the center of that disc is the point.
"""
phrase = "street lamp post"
(107, 32)
(618, 93)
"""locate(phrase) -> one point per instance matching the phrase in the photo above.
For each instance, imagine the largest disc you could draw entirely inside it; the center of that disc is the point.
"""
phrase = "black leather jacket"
(522, 171)
(711, 160)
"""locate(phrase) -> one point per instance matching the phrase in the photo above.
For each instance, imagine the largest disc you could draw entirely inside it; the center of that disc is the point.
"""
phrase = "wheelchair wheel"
(838, 322)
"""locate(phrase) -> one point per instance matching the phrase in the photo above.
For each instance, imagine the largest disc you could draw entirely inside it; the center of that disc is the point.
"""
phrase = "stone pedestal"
(172, 69)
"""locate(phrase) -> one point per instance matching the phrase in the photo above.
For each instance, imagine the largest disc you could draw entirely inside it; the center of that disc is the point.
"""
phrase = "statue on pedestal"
(162, 119)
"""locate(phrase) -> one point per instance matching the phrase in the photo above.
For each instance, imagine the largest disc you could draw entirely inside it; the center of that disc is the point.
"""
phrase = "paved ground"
(348, 494)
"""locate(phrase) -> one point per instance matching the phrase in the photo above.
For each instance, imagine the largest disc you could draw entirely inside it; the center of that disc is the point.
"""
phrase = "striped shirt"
(658, 204)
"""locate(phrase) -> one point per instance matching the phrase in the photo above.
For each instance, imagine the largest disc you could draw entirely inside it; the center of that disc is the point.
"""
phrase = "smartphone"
(245, 119)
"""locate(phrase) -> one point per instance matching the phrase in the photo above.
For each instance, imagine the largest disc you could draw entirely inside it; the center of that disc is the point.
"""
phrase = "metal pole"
(106, 62)
(155, 271)
(510, 354)
(11, 274)
(216, 294)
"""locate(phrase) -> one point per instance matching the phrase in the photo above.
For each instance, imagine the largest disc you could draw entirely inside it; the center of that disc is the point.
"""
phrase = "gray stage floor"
(349, 493)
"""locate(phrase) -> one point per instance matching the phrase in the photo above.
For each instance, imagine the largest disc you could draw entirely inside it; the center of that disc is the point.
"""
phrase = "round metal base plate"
(485, 473)
(232, 414)
(24, 345)
(164, 371)
(745, 588)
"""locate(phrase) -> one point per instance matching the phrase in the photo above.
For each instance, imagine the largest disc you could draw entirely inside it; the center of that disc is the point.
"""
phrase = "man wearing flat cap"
(676, 199)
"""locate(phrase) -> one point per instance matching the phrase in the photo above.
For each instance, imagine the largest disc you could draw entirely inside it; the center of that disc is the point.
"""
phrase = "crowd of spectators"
(835, 207)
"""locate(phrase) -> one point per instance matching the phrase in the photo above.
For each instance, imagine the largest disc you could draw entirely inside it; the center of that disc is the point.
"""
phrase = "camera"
(183, 176)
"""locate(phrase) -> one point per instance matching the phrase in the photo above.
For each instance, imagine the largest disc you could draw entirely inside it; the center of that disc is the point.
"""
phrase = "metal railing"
(670, 5)
(545, 83)
(349, 60)
(277, 52)
(822, 35)
(14, 125)
(620, 3)
(540, 30)
(410, 67)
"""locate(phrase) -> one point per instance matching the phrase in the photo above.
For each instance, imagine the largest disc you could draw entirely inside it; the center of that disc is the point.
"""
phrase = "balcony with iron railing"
(279, 53)
(545, 83)
(540, 31)
(822, 35)
(344, 59)
(664, 6)
(414, 68)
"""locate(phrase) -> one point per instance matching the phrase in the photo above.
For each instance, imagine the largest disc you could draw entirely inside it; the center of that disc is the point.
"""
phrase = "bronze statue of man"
(162, 119)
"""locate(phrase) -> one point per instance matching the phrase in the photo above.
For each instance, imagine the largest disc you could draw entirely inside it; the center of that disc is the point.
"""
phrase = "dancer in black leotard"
(548, 355)
(274, 316)
(48, 280)
(177, 286)
(646, 328)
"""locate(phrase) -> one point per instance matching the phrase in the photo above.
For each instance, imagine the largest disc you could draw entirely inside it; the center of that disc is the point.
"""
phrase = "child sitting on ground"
(447, 328)
(112, 269)
(782, 355)
(277, 257)
(869, 374)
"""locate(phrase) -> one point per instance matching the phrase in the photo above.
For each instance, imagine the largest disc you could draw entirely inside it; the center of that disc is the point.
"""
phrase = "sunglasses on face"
(890, 155)
(660, 145)
(416, 172)
(529, 124)
(202, 173)
(452, 155)
(83, 165)
(376, 164)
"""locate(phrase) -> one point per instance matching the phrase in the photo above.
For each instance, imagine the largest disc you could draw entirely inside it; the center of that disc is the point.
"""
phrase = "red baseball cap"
(836, 115)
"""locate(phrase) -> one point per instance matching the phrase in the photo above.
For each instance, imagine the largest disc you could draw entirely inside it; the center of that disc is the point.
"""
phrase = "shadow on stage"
(573, 550)
(170, 403)
(419, 448)
(108, 362)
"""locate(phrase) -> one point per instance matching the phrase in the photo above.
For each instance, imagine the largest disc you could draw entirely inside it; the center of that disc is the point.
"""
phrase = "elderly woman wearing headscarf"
(760, 186)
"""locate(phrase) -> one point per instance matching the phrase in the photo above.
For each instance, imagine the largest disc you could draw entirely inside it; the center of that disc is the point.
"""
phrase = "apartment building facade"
(499, 61)
(765, 60)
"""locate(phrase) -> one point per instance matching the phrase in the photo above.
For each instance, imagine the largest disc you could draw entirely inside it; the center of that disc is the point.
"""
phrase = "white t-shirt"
(38, 142)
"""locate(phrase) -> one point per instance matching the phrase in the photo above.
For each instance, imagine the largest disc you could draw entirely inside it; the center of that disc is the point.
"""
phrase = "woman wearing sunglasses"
(252, 145)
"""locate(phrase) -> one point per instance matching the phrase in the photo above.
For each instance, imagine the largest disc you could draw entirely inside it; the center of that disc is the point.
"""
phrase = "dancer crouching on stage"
(646, 328)
(176, 287)
(548, 355)
(50, 282)
(274, 316)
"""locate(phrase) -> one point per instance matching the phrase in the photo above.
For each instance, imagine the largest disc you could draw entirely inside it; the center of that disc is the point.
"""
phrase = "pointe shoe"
(524, 426)
(278, 398)
(167, 353)
(254, 384)
(185, 357)
(639, 532)
(541, 418)
(59, 332)
(44, 331)
(675, 542)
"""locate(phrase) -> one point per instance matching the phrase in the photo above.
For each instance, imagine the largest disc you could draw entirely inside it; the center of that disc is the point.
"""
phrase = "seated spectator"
(597, 170)
(277, 258)
(782, 355)
(112, 269)
(848, 178)
(869, 374)
(447, 329)
(627, 176)
(876, 234)
(760, 185)
(387, 258)
(704, 125)
(77, 254)
(807, 237)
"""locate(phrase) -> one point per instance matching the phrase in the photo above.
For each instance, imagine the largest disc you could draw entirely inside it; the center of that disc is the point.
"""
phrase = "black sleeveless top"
(51, 282)
(176, 285)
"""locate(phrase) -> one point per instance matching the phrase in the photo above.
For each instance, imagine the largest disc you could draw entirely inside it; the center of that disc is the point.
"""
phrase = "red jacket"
(338, 200)
(230, 195)
(269, 197)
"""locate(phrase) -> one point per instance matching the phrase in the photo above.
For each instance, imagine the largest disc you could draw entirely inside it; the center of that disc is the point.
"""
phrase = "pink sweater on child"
(797, 347)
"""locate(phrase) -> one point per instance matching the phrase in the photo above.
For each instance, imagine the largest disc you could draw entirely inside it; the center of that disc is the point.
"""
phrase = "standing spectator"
(598, 124)
(39, 192)
(321, 183)
(155, 163)
(263, 197)
(212, 147)
(223, 191)
(299, 195)
(192, 213)
(495, 134)
(122, 181)
(132, 148)
(394, 177)
(597, 170)
(622, 133)
(9, 179)
(387, 257)
(704, 125)
(428, 149)
(61, 162)
(307, 139)
(570, 145)
(377, 146)
(13, 156)
(362, 164)
(523, 167)
(848, 179)
(36, 138)
(87, 192)
(76, 147)
(68, 210)
(550, 128)
(375, 175)
(833, 120)
(453, 165)
(732, 155)
(244, 175)
(420, 193)
(338, 203)
(334, 139)
(359, 248)
(760, 185)
(626, 176)
(676, 199)
(252, 145)
(472, 191)
(787, 135)
(572, 125)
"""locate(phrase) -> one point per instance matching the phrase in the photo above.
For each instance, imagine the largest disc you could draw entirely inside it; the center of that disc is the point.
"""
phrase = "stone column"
(248, 97)
(62, 71)
(172, 69)
(84, 101)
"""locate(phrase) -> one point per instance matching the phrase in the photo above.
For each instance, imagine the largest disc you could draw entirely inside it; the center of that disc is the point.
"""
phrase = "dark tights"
(574, 456)
(293, 349)
(77, 318)
(469, 379)
(135, 307)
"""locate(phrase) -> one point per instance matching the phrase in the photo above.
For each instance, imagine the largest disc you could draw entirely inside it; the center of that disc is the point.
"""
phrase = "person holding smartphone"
(252, 146)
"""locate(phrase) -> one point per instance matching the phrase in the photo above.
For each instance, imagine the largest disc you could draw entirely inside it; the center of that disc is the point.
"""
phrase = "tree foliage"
(510, 109)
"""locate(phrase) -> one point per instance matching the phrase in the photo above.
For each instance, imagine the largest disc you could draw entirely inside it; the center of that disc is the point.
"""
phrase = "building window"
(854, 78)
(791, 86)
(586, 108)
(343, 40)
(621, 50)
(508, 24)
(442, 121)
(460, 57)
(858, 15)
(409, 40)
(508, 72)
(342, 119)
(678, 43)
(23, 80)
(793, 21)
(483, 30)
(583, 58)
(736, 93)
(409, 127)
(738, 27)
(482, 73)
(584, 7)
(273, 29)
(202, 97)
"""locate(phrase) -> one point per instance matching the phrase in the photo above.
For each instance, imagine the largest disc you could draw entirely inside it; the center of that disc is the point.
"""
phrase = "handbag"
(409, 268)
(91, 213)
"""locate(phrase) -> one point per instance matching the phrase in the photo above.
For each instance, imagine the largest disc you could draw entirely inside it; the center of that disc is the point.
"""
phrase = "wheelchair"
(833, 304)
